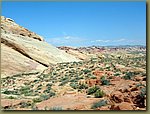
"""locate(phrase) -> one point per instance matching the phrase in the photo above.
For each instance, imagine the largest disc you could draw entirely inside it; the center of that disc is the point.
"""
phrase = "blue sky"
(82, 23)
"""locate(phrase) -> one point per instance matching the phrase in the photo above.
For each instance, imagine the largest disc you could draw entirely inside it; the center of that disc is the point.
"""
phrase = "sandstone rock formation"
(25, 51)
(123, 106)
(74, 52)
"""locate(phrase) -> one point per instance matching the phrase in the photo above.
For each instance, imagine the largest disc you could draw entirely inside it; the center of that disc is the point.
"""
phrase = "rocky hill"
(25, 51)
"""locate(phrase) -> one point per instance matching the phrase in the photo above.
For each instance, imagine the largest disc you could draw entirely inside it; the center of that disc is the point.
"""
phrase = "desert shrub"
(30, 93)
(47, 90)
(35, 80)
(99, 93)
(99, 104)
(40, 85)
(63, 82)
(49, 85)
(117, 74)
(128, 76)
(73, 80)
(92, 90)
(140, 84)
(8, 92)
(104, 81)
(74, 85)
(143, 92)
(83, 86)
(108, 68)
(36, 100)
(86, 71)
(25, 104)
(64, 78)
(140, 99)
(51, 94)
(26, 91)
(44, 97)
(39, 88)
(11, 97)
(56, 108)
(93, 77)
(54, 73)
(45, 75)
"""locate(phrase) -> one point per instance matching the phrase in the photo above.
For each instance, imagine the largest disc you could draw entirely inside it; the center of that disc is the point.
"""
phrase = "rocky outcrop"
(23, 50)
(117, 96)
(123, 106)
(75, 52)
(9, 26)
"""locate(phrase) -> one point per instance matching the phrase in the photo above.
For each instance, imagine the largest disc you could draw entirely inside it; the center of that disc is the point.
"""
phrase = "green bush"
(92, 90)
(11, 97)
(49, 85)
(10, 92)
(36, 100)
(44, 97)
(128, 76)
(25, 104)
(63, 82)
(47, 90)
(83, 86)
(104, 81)
(117, 74)
(51, 94)
(25, 89)
(143, 92)
(99, 93)
(7, 92)
(74, 85)
(86, 71)
(99, 104)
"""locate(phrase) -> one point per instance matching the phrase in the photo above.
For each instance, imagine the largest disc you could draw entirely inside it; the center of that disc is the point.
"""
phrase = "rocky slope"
(24, 51)
(95, 84)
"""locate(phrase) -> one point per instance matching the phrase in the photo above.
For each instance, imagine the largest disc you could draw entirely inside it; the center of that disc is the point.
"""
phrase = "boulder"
(125, 106)
(117, 96)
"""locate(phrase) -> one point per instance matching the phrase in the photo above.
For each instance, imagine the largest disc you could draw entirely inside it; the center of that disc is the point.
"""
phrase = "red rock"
(92, 82)
(138, 78)
(134, 89)
(125, 106)
(103, 108)
(98, 73)
(117, 96)
(122, 106)
(116, 78)
(127, 99)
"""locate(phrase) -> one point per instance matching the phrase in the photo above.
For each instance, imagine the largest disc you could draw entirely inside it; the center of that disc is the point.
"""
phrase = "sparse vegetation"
(128, 76)
(104, 81)
(88, 77)
(92, 90)
(99, 93)
(99, 104)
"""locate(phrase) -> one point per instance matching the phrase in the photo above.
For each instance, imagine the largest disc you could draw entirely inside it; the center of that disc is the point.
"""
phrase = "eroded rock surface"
(23, 50)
